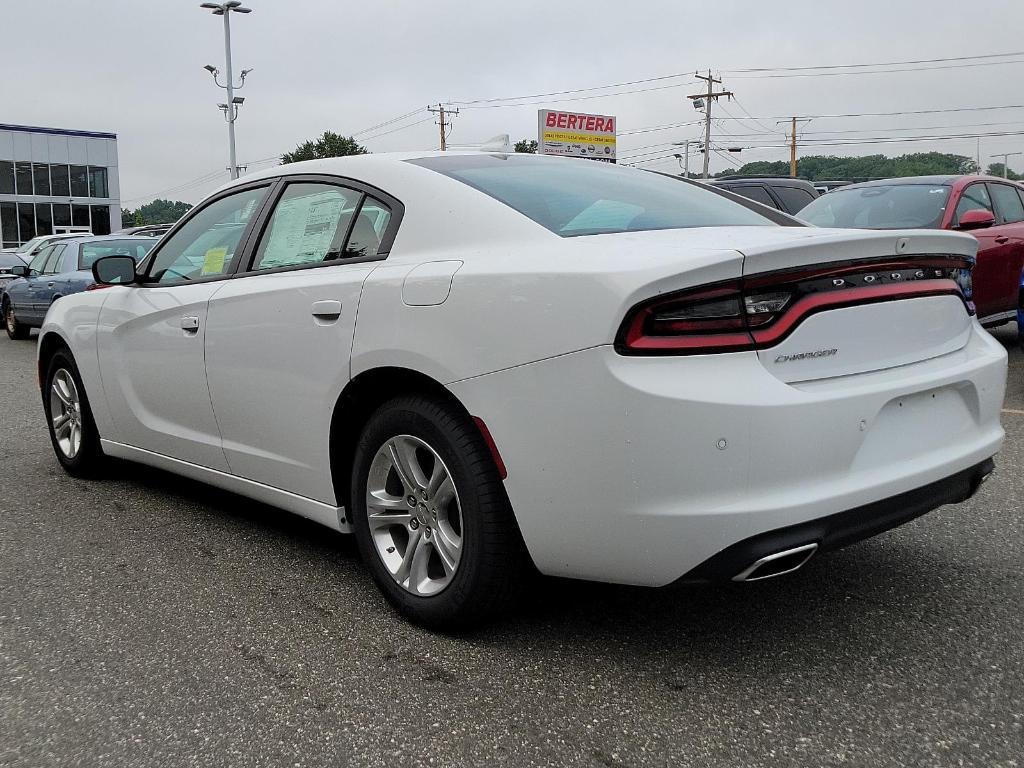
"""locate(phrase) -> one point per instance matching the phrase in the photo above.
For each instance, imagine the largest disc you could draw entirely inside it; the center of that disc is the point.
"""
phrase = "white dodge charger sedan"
(481, 363)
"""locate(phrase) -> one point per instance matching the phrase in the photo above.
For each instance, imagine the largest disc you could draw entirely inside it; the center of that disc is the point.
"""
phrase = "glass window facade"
(43, 191)
(9, 225)
(97, 182)
(60, 180)
(79, 181)
(41, 178)
(23, 178)
(44, 219)
(6, 177)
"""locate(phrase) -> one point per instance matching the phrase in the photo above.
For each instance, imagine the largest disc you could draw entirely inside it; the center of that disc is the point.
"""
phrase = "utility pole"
(443, 122)
(707, 98)
(685, 157)
(792, 141)
(229, 108)
(1005, 156)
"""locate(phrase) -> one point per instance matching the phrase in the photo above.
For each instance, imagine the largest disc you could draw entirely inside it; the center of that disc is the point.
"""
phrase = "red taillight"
(96, 286)
(761, 311)
(485, 433)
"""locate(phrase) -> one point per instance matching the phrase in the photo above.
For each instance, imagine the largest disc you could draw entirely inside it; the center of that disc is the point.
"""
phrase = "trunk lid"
(859, 300)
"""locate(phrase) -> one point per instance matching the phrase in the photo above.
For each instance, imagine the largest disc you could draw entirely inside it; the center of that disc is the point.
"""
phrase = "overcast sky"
(135, 68)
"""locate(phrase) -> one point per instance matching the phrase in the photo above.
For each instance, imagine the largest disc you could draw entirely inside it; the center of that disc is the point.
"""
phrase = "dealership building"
(55, 180)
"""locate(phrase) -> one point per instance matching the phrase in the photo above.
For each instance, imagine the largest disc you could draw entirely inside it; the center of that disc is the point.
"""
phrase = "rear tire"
(431, 517)
(73, 433)
(15, 330)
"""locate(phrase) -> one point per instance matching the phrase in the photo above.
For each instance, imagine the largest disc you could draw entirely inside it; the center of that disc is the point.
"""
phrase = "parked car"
(7, 262)
(147, 230)
(990, 208)
(27, 251)
(783, 193)
(478, 361)
(60, 269)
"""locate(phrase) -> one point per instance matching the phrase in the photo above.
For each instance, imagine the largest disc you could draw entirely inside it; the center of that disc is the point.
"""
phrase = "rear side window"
(583, 197)
(793, 198)
(309, 225)
(1008, 205)
(368, 230)
(755, 192)
(974, 197)
(53, 260)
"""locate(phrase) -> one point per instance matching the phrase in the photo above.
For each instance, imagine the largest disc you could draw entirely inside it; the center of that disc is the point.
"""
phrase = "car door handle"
(190, 323)
(1002, 239)
(326, 310)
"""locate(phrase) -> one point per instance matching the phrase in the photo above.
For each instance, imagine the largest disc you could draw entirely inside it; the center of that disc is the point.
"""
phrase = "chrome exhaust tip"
(777, 563)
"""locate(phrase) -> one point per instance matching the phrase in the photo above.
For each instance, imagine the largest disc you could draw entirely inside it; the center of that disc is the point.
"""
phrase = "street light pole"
(1006, 157)
(230, 109)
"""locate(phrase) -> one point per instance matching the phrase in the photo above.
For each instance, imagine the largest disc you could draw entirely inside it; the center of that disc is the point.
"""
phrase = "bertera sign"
(574, 134)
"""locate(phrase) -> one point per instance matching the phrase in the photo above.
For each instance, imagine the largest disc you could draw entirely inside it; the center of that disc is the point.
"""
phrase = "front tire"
(431, 517)
(15, 330)
(73, 433)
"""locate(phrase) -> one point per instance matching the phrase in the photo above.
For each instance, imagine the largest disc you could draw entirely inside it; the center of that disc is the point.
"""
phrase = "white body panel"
(276, 371)
(154, 371)
(603, 449)
(620, 468)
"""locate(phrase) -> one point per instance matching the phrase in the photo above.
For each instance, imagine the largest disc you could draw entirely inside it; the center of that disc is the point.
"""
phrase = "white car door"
(150, 336)
(279, 335)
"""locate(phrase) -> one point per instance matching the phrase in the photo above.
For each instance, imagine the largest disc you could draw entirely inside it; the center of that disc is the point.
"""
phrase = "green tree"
(826, 167)
(331, 144)
(527, 146)
(158, 211)
(996, 169)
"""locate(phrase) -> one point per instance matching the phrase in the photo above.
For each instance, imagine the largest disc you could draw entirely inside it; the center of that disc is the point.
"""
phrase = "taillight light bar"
(760, 311)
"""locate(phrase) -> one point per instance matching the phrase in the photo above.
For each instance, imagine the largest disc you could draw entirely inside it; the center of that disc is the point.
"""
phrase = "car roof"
(939, 181)
(105, 238)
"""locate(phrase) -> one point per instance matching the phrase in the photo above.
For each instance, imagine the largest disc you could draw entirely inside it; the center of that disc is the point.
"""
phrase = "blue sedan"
(59, 269)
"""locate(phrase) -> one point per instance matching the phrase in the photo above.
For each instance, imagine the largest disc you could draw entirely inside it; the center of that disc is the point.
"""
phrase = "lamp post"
(230, 108)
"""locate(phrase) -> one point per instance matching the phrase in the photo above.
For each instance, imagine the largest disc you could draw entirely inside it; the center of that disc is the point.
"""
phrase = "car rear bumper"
(638, 470)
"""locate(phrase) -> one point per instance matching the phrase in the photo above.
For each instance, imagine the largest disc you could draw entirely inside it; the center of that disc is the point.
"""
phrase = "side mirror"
(20, 270)
(114, 270)
(976, 218)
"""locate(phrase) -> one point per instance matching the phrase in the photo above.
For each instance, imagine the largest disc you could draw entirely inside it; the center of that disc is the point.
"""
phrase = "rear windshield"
(136, 247)
(585, 197)
(899, 206)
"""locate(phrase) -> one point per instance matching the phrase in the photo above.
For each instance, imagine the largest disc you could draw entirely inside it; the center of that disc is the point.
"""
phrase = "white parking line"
(1011, 410)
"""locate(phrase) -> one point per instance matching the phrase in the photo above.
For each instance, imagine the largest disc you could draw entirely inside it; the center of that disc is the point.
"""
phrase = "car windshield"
(136, 248)
(896, 206)
(584, 197)
(27, 247)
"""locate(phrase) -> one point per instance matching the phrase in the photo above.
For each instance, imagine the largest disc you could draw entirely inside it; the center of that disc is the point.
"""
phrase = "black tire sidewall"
(20, 331)
(89, 455)
(418, 417)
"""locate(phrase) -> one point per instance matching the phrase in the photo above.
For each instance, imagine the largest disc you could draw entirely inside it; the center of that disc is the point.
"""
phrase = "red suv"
(991, 209)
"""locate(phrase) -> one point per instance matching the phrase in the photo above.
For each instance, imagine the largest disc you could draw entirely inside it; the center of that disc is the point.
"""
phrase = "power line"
(574, 90)
(877, 71)
(877, 63)
(574, 98)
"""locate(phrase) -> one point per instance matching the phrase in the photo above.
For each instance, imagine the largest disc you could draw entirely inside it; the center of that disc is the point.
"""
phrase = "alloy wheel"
(66, 413)
(12, 323)
(414, 515)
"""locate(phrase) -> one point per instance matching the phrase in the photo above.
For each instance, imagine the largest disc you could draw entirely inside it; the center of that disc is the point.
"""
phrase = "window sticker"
(213, 261)
(303, 229)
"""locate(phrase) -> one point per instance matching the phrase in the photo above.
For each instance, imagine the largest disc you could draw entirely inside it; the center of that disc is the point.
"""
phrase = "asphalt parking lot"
(149, 620)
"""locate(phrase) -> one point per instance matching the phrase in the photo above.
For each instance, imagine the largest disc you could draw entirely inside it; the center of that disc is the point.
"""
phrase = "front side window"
(793, 198)
(974, 198)
(754, 192)
(1008, 203)
(53, 259)
(206, 245)
(309, 226)
(578, 197)
(137, 248)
